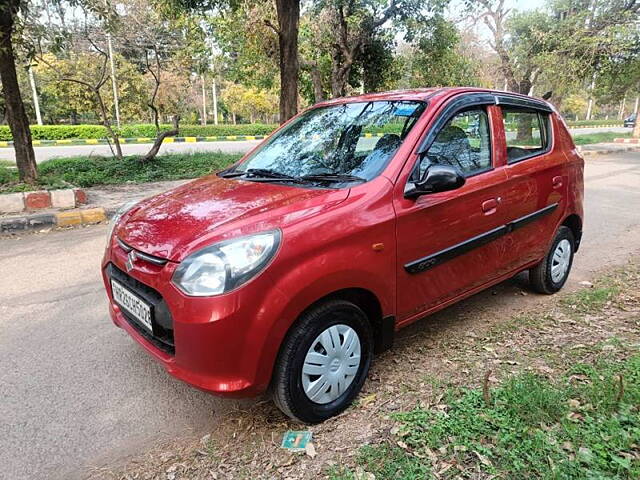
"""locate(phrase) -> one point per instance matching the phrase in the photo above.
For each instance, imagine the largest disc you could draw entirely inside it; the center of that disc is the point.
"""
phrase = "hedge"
(586, 123)
(61, 132)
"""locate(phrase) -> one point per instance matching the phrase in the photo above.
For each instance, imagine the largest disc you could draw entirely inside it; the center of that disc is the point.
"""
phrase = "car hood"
(176, 223)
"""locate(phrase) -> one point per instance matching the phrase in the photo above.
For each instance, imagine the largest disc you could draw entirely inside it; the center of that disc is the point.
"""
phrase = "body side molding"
(430, 261)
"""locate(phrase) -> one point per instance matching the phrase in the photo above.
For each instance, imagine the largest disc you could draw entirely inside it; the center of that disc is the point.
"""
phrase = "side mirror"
(437, 178)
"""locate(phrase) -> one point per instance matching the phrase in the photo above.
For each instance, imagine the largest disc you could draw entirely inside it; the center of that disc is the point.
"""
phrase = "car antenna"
(547, 95)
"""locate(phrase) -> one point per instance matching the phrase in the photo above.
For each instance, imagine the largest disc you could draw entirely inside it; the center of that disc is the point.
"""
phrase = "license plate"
(134, 305)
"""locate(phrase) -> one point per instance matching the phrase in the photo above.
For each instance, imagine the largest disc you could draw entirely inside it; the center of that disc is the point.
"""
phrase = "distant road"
(239, 146)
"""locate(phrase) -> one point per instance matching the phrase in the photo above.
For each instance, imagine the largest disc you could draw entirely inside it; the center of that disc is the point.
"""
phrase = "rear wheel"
(323, 362)
(552, 272)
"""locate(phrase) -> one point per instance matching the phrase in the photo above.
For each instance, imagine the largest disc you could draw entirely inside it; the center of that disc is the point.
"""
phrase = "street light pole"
(215, 102)
(36, 101)
(204, 101)
(113, 81)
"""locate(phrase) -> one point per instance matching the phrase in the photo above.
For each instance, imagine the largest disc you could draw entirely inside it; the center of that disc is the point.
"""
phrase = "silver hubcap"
(560, 261)
(331, 364)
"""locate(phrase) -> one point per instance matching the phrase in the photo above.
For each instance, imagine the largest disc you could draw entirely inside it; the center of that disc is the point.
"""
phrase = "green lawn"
(601, 137)
(582, 425)
(90, 171)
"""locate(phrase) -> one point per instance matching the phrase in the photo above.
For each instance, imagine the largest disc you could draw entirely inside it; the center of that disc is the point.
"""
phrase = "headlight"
(116, 218)
(225, 265)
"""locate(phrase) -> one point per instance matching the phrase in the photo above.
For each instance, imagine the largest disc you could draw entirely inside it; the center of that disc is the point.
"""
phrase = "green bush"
(91, 171)
(61, 132)
(586, 123)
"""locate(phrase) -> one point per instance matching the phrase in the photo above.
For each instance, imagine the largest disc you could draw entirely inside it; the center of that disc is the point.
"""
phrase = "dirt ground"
(457, 347)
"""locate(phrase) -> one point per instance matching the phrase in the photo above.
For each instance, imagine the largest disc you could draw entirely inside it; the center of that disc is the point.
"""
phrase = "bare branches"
(269, 24)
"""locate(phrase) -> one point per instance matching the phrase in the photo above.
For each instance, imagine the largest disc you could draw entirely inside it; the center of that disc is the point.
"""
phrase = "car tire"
(552, 272)
(304, 366)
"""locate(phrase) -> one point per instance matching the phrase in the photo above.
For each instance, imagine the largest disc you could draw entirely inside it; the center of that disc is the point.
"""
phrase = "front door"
(450, 242)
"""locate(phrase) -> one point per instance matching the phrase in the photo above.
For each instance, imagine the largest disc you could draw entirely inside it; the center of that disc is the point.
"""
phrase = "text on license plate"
(135, 306)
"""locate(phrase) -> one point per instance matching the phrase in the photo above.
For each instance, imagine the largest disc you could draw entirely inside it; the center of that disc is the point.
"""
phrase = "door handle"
(490, 206)
(557, 182)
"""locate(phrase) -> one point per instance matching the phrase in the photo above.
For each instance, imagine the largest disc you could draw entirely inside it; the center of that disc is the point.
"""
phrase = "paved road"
(45, 153)
(77, 392)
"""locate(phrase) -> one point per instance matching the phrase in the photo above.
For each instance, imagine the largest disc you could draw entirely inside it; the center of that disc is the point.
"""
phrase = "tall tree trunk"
(16, 116)
(288, 24)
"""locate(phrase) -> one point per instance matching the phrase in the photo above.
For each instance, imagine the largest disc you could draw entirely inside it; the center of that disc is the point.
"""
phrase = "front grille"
(162, 322)
(144, 256)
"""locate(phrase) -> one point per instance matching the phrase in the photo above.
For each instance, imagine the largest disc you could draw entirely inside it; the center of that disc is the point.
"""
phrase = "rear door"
(537, 179)
(450, 242)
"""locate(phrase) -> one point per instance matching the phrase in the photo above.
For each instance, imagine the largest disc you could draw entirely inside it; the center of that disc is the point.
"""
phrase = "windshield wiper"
(333, 177)
(230, 173)
(259, 174)
(265, 172)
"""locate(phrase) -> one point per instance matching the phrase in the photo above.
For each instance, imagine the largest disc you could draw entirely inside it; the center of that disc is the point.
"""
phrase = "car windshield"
(350, 142)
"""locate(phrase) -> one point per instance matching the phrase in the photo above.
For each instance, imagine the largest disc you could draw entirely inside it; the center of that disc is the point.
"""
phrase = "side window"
(464, 142)
(526, 131)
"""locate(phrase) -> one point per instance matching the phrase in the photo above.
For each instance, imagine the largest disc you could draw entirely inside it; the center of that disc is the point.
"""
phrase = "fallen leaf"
(310, 450)
(367, 400)
(484, 460)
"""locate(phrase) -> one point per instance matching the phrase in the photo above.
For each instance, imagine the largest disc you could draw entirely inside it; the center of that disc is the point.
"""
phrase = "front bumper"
(216, 344)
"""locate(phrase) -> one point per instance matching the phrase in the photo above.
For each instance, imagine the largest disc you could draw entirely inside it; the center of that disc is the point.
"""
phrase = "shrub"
(61, 132)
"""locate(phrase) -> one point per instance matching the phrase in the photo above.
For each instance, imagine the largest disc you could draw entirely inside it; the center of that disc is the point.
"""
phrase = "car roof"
(422, 94)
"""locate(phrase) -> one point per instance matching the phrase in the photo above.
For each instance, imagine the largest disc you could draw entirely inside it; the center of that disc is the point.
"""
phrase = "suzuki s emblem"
(130, 259)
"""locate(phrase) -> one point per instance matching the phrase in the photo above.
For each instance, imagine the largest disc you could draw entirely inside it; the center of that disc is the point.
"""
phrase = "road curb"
(607, 151)
(18, 202)
(40, 221)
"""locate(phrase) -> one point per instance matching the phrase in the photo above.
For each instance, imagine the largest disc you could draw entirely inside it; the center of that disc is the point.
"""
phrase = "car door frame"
(545, 173)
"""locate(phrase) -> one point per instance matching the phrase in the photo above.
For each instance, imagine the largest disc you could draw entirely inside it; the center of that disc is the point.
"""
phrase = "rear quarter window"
(527, 132)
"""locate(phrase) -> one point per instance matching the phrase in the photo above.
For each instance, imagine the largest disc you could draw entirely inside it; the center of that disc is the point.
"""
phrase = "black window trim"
(453, 108)
(465, 100)
(542, 114)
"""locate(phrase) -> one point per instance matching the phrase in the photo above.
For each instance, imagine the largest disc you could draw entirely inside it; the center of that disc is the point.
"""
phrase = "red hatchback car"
(288, 270)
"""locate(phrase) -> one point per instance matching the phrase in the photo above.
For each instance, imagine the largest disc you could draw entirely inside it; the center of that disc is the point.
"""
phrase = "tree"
(575, 105)
(353, 31)
(93, 82)
(288, 19)
(436, 57)
(14, 107)
(567, 43)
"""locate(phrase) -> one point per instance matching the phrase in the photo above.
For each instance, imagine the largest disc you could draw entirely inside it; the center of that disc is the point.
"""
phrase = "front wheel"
(552, 272)
(323, 362)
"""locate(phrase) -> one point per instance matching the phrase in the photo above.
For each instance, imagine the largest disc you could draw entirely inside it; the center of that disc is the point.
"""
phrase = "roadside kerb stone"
(40, 221)
(37, 200)
(12, 202)
(93, 215)
(69, 218)
(12, 224)
(63, 198)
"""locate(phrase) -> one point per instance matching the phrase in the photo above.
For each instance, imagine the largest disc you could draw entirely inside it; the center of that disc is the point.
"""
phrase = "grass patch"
(590, 299)
(385, 462)
(582, 426)
(91, 171)
(600, 137)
